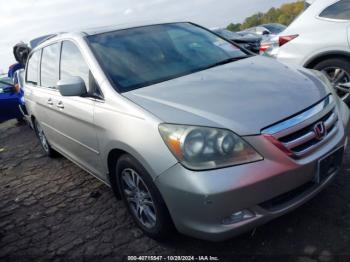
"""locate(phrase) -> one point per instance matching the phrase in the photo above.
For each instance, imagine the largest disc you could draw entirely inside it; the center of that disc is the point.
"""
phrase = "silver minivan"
(191, 131)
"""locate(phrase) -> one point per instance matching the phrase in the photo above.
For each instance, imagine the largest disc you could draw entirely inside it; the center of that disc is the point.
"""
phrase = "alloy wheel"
(138, 198)
(337, 76)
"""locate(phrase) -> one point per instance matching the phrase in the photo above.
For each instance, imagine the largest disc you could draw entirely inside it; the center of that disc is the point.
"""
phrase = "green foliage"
(283, 15)
(234, 27)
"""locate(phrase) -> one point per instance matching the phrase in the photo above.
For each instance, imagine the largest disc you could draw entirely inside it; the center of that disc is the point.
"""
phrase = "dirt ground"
(50, 209)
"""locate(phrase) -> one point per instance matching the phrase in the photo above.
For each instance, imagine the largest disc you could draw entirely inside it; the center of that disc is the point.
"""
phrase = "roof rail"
(37, 41)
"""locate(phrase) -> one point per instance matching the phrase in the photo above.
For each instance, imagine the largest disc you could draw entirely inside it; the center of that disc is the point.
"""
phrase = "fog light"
(238, 217)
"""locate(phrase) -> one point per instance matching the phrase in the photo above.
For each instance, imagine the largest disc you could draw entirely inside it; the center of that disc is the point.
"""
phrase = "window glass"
(138, 57)
(49, 65)
(32, 70)
(5, 82)
(306, 5)
(227, 34)
(274, 28)
(72, 63)
(339, 10)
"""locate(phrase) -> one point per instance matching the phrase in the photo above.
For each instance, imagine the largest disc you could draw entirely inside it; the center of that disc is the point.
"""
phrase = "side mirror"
(72, 86)
(266, 32)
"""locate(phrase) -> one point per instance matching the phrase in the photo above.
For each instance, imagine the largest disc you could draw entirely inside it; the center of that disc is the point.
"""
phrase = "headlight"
(200, 148)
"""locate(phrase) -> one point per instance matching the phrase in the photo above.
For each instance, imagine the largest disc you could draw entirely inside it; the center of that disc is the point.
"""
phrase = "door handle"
(60, 105)
(50, 102)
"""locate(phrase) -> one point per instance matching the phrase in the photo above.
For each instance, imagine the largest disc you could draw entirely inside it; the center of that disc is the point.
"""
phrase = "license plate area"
(330, 164)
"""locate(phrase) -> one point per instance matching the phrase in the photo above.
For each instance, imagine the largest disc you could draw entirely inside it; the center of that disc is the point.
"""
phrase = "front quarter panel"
(123, 125)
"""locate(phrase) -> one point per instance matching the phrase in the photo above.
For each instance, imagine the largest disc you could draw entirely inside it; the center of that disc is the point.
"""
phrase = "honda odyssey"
(191, 131)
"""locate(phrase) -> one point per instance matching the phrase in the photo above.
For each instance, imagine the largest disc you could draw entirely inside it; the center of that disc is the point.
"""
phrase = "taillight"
(264, 47)
(282, 40)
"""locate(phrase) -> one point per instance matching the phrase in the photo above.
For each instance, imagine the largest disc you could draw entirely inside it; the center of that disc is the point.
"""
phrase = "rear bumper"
(199, 201)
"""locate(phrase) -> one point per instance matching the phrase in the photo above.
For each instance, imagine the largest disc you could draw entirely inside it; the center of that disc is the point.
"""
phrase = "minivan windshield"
(142, 56)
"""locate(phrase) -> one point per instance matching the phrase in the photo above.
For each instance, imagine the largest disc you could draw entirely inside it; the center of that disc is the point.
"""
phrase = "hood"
(244, 96)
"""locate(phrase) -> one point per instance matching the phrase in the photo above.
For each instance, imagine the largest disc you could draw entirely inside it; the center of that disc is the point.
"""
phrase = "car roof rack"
(37, 41)
(21, 50)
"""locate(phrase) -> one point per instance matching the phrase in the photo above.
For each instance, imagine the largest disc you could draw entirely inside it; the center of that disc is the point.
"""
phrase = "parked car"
(188, 129)
(247, 40)
(319, 39)
(270, 30)
(9, 100)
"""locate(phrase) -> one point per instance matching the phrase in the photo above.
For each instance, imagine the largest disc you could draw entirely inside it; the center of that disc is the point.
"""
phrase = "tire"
(326, 66)
(20, 121)
(159, 229)
(43, 141)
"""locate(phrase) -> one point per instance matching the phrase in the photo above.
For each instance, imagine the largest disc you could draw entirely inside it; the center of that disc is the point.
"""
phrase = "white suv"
(320, 39)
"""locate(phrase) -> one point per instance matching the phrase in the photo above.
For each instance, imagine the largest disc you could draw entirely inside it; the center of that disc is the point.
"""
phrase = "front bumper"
(199, 201)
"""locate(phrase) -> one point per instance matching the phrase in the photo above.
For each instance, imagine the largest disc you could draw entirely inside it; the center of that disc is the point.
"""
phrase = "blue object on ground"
(9, 100)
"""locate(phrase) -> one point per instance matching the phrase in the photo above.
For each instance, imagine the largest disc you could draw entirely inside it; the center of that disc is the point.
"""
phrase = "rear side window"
(339, 10)
(306, 5)
(50, 65)
(72, 63)
(32, 68)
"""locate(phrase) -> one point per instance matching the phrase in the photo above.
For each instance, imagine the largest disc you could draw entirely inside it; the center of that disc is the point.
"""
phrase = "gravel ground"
(50, 209)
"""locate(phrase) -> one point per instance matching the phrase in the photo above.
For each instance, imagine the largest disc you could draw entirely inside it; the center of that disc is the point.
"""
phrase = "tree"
(234, 27)
(283, 15)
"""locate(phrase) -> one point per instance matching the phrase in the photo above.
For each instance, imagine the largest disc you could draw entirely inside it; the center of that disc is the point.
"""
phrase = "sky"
(24, 20)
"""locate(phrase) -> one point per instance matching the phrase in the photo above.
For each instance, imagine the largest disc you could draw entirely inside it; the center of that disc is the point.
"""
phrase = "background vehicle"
(9, 100)
(320, 39)
(247, 40)
(269, 30)
(187, 128)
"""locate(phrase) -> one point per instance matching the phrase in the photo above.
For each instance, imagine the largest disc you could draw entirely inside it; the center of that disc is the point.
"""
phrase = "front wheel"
(143, 199)
(338, 72)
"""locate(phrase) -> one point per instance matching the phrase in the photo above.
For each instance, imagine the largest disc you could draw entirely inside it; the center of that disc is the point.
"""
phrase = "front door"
(72, 130)
(76, 113)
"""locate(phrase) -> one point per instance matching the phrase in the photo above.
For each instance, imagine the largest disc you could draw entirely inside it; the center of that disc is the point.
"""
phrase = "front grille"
(297, 134)
(305, 138)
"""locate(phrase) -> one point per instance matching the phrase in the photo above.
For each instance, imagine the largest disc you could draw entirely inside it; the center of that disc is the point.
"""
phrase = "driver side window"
(72, 63)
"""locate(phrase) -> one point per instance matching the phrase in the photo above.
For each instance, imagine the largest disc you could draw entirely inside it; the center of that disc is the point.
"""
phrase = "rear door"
(44, 90)
(38, 98)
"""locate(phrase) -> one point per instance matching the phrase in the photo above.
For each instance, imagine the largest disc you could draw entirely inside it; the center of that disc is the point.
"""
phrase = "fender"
(326, 55)
(120, 146)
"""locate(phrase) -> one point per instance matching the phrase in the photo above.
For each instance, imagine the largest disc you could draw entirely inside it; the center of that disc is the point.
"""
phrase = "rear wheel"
(43, 140)
(338, 72)
(143, 199)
